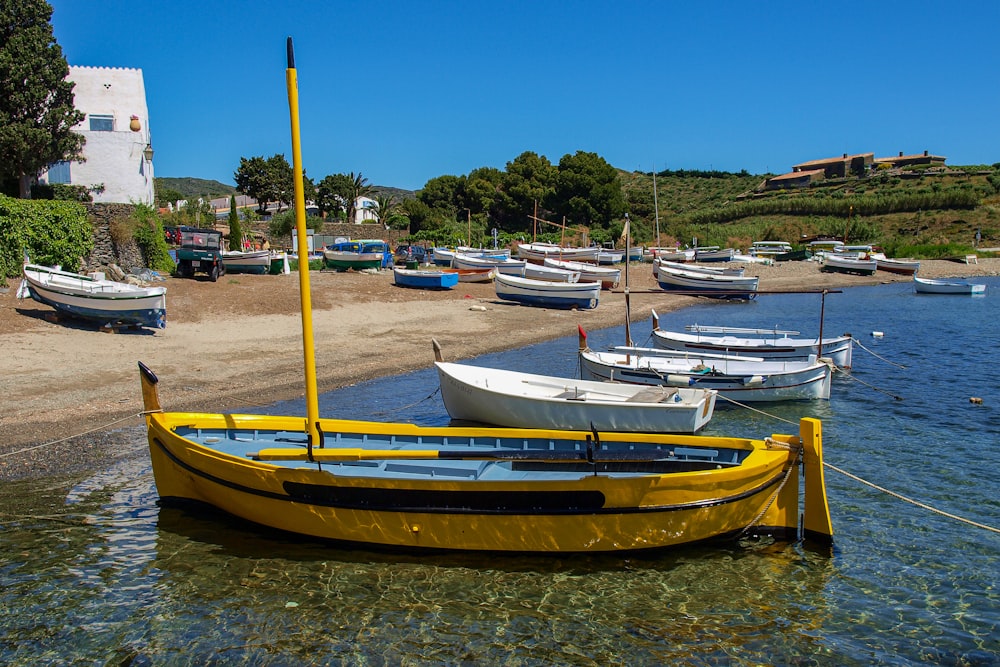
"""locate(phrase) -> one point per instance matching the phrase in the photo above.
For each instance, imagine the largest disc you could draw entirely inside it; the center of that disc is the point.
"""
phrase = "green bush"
(148, 235)
(50, 232)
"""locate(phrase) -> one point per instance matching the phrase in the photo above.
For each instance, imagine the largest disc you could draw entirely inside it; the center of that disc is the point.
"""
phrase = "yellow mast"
(308, 346)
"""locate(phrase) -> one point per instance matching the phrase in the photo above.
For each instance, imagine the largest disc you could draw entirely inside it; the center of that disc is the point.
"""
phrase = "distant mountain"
(171, 189)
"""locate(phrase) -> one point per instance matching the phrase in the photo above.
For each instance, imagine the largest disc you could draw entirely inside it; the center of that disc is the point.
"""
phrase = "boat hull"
(247, 262)
(547, 294)
(524, 400)
(424, 279)
(902, 267)
(343, 261)
(478, 505)
(929, 286)
(838, 349)
(860, 267)
(102, 301)
(741, 381)
(714, 286)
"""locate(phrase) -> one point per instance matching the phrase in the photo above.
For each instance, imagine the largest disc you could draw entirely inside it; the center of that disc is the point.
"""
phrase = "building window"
(59, 173)
(100, 123)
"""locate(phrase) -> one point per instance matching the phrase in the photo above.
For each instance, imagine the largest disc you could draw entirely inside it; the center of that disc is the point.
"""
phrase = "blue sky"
(403, 92)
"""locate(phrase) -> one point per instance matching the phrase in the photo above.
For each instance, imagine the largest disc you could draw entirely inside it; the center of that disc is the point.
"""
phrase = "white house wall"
(115, 159)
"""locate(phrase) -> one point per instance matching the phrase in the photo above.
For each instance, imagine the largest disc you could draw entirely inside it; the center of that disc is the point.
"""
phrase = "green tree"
(36, 100)
(253, 178)
(235, 230)
(384, 206)
(530, 178)
(588, 190)
(332, 194)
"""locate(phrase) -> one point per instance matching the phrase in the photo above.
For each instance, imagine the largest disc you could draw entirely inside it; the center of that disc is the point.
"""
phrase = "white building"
(119, 149)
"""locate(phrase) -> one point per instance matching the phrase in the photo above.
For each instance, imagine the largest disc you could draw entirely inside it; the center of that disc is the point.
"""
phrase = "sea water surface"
(113, 578)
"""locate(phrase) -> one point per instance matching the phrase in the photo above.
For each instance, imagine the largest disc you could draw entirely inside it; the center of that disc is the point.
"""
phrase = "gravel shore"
(237, 343)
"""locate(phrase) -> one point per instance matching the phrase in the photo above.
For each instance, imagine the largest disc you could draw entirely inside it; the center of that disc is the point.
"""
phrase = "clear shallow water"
(106, 576)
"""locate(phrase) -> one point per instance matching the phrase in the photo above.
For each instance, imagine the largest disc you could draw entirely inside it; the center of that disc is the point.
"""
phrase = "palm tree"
(384, 205)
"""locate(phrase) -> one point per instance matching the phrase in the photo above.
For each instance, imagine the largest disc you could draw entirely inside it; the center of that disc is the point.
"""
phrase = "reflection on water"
(101, 574)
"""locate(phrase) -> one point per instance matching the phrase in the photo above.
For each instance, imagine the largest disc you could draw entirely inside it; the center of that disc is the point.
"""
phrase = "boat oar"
(347, 454)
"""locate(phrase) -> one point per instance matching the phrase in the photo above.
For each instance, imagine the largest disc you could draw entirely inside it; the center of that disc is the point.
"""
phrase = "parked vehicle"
(201, 250)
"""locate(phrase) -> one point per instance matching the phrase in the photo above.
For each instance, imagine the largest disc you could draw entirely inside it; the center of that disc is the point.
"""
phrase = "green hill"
(903, 210)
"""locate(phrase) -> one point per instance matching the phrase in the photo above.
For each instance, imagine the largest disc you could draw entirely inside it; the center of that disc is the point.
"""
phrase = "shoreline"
(237, 343)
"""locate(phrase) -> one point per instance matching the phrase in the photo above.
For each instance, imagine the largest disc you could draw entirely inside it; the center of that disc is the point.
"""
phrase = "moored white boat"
(769, 248)
(931, 286)
(526, 400)
(704, 284)
(607, 276)
(742, 379)
(546, 293)
(770, 344)
(93, 298)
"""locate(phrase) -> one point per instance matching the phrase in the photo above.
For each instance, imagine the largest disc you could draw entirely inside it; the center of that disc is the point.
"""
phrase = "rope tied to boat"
(784, 480)
(880, 358)
(77, 435)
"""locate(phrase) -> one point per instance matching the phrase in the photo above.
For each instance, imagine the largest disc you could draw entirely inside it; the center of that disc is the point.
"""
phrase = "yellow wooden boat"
(479, 488)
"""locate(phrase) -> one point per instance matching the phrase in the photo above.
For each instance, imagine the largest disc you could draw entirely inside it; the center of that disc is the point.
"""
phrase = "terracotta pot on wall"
(134, 124)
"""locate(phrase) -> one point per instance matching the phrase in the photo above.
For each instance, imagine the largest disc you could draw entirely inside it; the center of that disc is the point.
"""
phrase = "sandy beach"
(238, 342)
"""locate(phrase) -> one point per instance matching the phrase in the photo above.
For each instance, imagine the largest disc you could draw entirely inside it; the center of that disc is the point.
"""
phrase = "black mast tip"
(291, 54)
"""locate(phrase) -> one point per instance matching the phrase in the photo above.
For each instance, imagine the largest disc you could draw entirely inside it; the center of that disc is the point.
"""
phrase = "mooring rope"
(405, 407)
(861, 480)
(70, 437)
(910, 500)
(891, 363)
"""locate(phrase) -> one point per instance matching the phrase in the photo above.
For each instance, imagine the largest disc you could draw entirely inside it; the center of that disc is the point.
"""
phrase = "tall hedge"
(51, 232)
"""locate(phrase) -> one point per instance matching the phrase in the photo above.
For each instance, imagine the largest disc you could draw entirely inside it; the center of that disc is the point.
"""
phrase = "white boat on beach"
(706, 284)
(553, 273)
(930, 286)
(906, 267)
(770, 344)
(546, 293)
(248, 261)
(504, 265)
(607, 276)
(713, 254)
(697, 268)
(539, 252)
(837, 263)
(94, 298)
(525, 400)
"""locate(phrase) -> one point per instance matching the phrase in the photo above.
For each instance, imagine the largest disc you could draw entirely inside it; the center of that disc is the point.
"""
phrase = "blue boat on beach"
(424, 278)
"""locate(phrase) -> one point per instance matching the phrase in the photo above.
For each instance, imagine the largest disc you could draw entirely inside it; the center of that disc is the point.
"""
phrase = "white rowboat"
(525, 400)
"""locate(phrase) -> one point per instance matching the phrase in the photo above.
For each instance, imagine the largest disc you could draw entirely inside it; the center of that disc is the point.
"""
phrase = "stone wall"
(106, 219)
